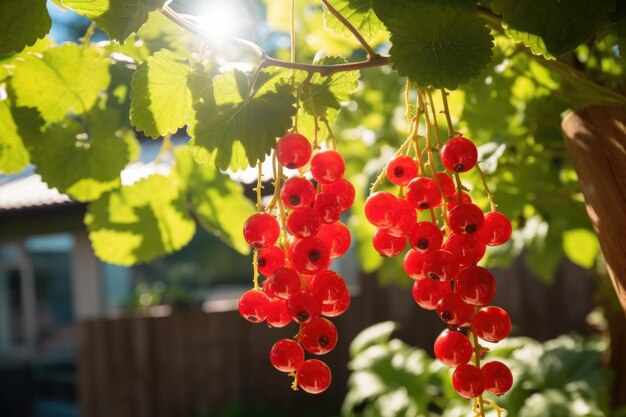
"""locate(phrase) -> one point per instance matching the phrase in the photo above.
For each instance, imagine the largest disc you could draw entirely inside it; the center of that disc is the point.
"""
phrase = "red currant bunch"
(295, 240)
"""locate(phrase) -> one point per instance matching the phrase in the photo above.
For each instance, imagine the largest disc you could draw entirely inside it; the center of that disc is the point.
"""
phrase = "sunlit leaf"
(13, 154)
(22, 22)
(581, 247)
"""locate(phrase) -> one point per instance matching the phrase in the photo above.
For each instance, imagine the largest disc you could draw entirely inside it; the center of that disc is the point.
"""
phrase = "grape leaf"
(83, 164)
(233, 129)
(218, 203)
(552, 27)
(359, 13)
(118, 18)
(140, 222)
(13, 154)
(163, 91)
(440, 43)
(22, 23)
(68, 78)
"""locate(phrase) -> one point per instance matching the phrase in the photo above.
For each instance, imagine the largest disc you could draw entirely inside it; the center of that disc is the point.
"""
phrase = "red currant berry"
(327, 167)
(386, 244)
(413, 264)
(303, 222)
(425, 237)
(327, 208)
(278, 315)
(468, 381)
(427, 292)
(454, 311)
(497, 376)
(342, 190)
(401, 170)
(297, 192)
(491, 324)
(284, 283)
(261, 230)
(453, 348)
(337, 238)
(254, 306)
(475, 285)
(405, 219)
(466, 219)
(453, 200)
(381, 209)
(310, 255)
(468, 249)
(314, 376)
(496, 230)
(423, 193)
(459, 154)
(304, 307)
(270, 259)
(337, 308)
(441, 266)
(293, 151)
(328, 286)
(286, 355)
(447, 185)
(319, 336)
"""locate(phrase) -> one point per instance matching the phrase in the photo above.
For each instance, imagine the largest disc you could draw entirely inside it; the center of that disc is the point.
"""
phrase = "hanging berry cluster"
(445, 247)
(295, 238)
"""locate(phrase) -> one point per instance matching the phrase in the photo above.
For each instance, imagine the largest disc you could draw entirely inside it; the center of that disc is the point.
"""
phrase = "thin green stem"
(483, 179)
(88, 33)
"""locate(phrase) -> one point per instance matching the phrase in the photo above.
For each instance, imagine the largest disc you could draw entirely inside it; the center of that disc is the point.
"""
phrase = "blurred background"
(81, 337)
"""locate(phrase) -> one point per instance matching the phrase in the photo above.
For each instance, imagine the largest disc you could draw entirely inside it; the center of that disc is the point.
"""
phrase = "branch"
(370, 52)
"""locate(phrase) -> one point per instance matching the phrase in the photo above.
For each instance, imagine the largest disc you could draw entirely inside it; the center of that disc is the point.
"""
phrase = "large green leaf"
(359, 13)
(22, 22)
(219, 203)
(552, 27)
(118, 18)
(581, 247)
(234, 128)
(442, 43)
(141, 222)
(13, 154)
(61, 80)
(84, 161)
(164, 88)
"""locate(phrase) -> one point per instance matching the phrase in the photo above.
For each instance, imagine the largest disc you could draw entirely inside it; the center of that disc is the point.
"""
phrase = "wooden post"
(596, 138)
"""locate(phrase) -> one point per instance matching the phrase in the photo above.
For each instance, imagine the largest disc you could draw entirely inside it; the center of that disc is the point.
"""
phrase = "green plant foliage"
(581, 247)
(236, 125)
(140, 222)
(359, 13)
(217, 202)
(552, 27)
(118, 18)
(22, 23)
(13, 154)
(162, 93)
(438, 43)
(69, 78)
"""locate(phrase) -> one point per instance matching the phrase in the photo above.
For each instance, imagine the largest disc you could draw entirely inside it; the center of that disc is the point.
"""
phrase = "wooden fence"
(191, 361)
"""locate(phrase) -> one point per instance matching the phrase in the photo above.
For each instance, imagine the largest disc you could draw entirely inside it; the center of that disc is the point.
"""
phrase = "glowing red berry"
(303, 222)
(413, 264)
(453, 348)
(314, 376)
(297, 192)
(491, 324)
(423, 193)
(270, 259)
(454, 311)
(278, 315)
(381, 209)
(404, 220)
(427, 293)
(286, 355)
(468, 381)
(496, 230)
(475, 285)
(284, 283)
(441, 266)
(425, 237)
(386, 244)
(338, 307)
(337, 237)
(328, 286)
(319, 336)
(254, 306)
(327, 167)
(342, 190)
(310, 255)
(466, 219)
(459, 154)
(497, 376)
(401, 170)
(261, 230)
(327, 208)
(293, 151)
(447, 185)
(304, 307)
(453, 200)
(468, 249)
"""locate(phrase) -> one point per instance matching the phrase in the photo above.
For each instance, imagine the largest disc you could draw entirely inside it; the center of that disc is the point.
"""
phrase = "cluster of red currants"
(299, 286)
(443, 263)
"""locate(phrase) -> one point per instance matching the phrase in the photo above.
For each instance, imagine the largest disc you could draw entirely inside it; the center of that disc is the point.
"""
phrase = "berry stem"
(278, 174)
(331, 135)
(259, 186)
(446, 112)
(483, 178)
(434, 119)
(88, 33)
(478, 402)
(459, 187)
(381, 176)
(255, 268)
(166, 148)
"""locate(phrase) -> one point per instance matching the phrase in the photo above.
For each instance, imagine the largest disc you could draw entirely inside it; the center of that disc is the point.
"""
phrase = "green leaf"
(581, 247)
(118, 18)
(84, 163)
(373, 335)
(234, 129)
(440, 43)
(141, 222)
(68, 79)
(219, 203)
(13, 154)
(359, 13)
(163, 91)
(552, 27)
(22, 23)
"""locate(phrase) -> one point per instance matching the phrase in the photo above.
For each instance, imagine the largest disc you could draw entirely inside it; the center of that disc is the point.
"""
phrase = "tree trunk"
(596, 137)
